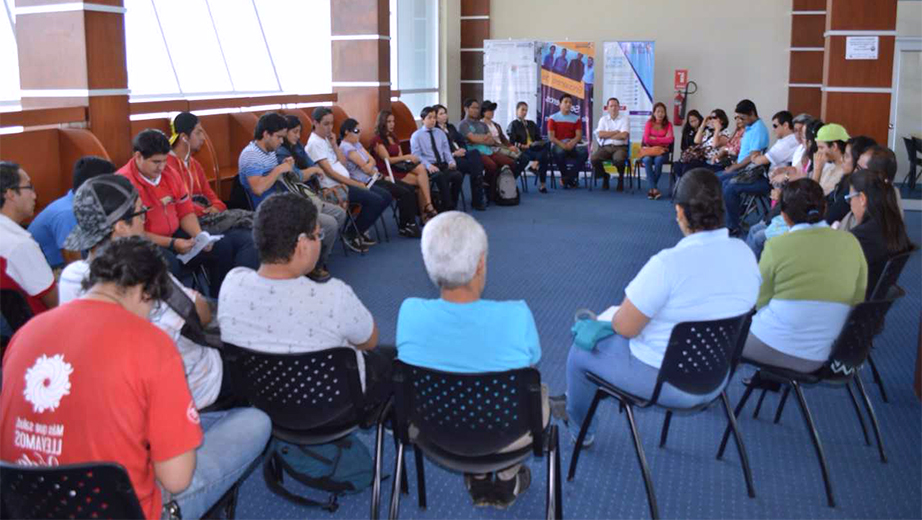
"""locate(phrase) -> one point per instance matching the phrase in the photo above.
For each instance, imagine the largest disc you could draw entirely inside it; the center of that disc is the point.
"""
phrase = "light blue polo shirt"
(481, 336)
(706, 276)
(51, 227)
(754, 138)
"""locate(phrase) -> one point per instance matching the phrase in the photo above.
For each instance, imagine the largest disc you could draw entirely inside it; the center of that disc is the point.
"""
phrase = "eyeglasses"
(142, 213)
(318, 237)
(850, 196)
(774, 125)
(26, 187)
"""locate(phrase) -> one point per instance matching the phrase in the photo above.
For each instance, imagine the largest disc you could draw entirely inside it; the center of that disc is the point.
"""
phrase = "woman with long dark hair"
(693, 122)
(657, 136)
(837, 205)
(406, 167)
(467, 159)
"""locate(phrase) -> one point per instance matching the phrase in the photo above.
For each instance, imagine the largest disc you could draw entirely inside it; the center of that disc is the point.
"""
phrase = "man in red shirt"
(171, 220)
(91, 399)
(565, 131)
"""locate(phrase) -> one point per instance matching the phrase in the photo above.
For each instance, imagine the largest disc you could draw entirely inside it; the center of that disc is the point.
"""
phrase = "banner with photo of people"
(629, 77)
(567, 68)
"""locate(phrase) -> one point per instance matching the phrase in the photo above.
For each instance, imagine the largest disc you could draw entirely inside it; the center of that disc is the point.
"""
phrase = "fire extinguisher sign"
(681, 79)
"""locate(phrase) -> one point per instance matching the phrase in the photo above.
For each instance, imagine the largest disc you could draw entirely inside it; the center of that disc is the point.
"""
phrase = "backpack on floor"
(341, 467)
(507, 190)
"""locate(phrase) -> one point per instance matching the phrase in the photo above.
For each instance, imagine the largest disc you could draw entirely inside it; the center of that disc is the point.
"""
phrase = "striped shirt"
(254, 162)
(563, 126)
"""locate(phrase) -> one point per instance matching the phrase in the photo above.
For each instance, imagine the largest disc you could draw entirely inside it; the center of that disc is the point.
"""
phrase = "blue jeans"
(733, 192)
(611, 359)
(373, 201)
(756, 238)
(654, 168)
(570, 162)
(233, 440)
(724, 176)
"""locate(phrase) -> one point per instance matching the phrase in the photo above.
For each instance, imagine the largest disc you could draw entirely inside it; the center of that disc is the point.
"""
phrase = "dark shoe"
(367, 240)
(605, 184)
(319, 274)
(620, 187)
(410, 231)
(506, 491)
(558, 406)
(758, 382)
(542, 189)
(481, 489)
(479, 207)
(356, 244)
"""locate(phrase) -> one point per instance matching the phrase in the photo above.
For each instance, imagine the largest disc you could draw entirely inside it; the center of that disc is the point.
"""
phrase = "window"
(303, 54)
(415, 52)
(9, 58)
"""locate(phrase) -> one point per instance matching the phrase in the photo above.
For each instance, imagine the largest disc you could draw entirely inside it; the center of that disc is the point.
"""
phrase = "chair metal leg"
(404, 486)
(662, 437)
(877, 379)
(873, 416)
(740, 447)
(784, 399)
(864, 429)
(755, 414)
(376, 480)
(398, 477)
(642, 460)
(420, 477)
(736, 413)
(574, 459)
(808, 419)
(554, 500)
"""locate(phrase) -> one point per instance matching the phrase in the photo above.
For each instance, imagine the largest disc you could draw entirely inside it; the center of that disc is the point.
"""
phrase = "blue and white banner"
(629, 77)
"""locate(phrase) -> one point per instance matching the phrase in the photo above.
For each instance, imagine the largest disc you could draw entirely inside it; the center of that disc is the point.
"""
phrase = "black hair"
(784, 117)
(439, 107)
(688, 132)
(803, 201)
(519, 105)
(616, 99)
(810, 138)
(467, 104)
(320, 112)
(722, 116)
(292, 122)
(700, 196)
(278, 223)
(128, 262)
(747, 107)
(859, 144)
(184, 123)
(487, 106)
(90, 166)
(347, 126)
(271, 122)
(883, 161)
(565, 96)
(426, 111)
(381, 125)
(882, 207)
(9, 179)
(151, 142)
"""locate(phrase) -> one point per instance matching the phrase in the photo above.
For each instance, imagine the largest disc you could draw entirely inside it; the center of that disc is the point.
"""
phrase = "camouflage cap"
(93, 223)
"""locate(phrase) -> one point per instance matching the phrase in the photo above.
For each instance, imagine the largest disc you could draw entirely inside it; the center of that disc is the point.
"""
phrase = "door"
(906, 104)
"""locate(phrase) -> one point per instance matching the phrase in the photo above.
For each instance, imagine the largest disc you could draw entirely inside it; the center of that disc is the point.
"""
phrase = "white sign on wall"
(861, 47)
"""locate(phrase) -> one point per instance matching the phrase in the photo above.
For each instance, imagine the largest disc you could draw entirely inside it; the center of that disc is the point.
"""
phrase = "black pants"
(379, 368)
(448, 182)
(405, 195)
(235, 249)
(471, 165)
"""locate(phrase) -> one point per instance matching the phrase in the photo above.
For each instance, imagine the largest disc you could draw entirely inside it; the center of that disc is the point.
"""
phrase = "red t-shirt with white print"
(91, 382)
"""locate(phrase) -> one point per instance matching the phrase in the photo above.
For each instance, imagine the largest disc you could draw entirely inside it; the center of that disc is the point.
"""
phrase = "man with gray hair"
(460, 332)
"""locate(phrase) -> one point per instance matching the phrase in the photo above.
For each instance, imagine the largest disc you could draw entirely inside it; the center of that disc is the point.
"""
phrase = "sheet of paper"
(373, 180)
(608, 313)
(202, 240)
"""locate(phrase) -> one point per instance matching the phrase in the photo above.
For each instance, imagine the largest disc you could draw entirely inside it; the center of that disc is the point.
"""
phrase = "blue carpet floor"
(575, 249)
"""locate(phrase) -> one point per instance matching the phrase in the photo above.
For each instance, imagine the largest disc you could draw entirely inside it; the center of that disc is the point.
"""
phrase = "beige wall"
(909, 18)
(450, 36)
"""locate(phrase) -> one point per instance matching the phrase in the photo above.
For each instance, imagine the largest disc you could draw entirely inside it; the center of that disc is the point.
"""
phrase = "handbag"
(404, 166)
(651, 151)
(693, 153)
(750, 175)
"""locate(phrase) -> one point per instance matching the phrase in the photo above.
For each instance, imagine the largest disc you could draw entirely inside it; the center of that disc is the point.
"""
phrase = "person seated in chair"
(721, 280)
(478, 137)
(171, 222)
(460, 332)
(52, 225)
(433, 150)
(564, 131)
(754, 139)
(524, 134)
(22, 265)
(811, 277)
(407, 168)
(111, 403)
(613, 134)
(468, 160)
(658, 139)
(277, 309)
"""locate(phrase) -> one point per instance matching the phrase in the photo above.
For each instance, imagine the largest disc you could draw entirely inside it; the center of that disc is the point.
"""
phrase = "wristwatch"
(172, 243)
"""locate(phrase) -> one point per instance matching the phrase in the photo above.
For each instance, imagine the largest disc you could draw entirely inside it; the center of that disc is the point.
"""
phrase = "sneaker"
(506, 491)
(410, 231)
(657, 195)
(319, 274)
(558, 406)
(587, 442)
(356, 245)
(542, 189)
(480, 489)
(367, 240)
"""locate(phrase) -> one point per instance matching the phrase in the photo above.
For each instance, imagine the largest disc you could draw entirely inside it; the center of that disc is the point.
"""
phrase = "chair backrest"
(889, 275)
(468, 414)
(239, 198)
(97, 490)
(701, 355)
(851, 347)
(15, 308)
(305, 391)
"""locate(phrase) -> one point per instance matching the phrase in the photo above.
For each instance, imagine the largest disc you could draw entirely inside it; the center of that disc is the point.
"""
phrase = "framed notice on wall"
(861, 47)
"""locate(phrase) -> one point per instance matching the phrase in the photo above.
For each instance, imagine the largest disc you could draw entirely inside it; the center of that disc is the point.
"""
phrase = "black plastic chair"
(638, 167)
(312, 398)
(700, 358)
(239, 198)
(885, 284)
(849, 352)
(96, 490)
(913, 149)
(754, 208)
(464, 421)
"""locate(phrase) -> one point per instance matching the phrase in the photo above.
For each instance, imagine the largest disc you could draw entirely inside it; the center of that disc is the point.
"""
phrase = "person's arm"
(260, 183)
(699, 134)
(50, 297)
(356, 159)
(175, 474)
(819, 164)
(629, 321)
(328, 170)
(216, 201)
(189, 224)
(646, 134)
(576, 138)
(202, 309)
(339, 153)
(416, 148)
(372, 340)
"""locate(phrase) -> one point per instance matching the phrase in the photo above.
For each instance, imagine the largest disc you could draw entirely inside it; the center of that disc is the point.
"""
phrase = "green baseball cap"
(832, 132)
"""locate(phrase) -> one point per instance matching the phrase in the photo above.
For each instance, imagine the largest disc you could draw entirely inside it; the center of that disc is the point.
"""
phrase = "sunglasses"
(774, 125)
(140, 213)
(26, 187)
(356, 130)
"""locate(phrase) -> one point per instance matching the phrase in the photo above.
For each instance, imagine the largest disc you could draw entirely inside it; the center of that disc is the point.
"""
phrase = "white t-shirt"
(782, 152)
(607, 124)
(798, 156)
(203, 366)
(25, 263)
(319, 149)
(291, 316)
(706, 276)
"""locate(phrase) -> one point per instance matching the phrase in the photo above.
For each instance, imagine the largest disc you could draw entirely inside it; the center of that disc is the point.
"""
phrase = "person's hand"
(524, 146)
(212, 209)
(452, 166)
(287, 164)
(717, 125)
(459, 152)
(490, 140)
(183, 245)
(432, 168)
(414, 158)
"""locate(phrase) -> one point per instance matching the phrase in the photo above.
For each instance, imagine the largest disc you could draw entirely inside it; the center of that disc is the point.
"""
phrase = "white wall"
(909, 18)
